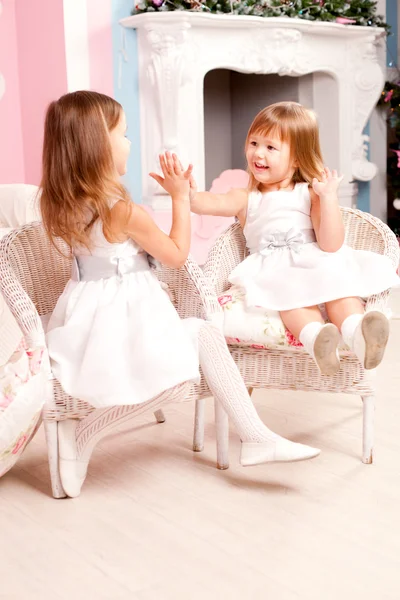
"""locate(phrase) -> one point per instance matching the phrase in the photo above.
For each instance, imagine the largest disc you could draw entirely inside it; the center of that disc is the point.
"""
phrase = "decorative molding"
(281, 53)
(368, 83)
(167, 70)
(347, 193)
(363, 169)
(177, 49)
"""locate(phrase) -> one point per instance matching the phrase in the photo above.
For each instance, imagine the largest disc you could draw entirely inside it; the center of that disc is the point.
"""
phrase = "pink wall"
(42, 72)
(32, 61)
(11, 148)
(100, 46)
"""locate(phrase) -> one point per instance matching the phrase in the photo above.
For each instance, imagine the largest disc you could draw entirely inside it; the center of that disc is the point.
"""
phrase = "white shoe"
(258, 453)
(325, 350)
(370, 339)
(72, 471)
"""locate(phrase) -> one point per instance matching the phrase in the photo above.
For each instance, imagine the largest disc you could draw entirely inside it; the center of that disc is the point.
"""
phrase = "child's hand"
(193, 185)
(193, 188)
(176, 181)
(329, 184)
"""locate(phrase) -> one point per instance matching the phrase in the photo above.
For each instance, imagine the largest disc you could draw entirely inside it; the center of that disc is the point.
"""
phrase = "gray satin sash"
(94, 268)
(292, 239)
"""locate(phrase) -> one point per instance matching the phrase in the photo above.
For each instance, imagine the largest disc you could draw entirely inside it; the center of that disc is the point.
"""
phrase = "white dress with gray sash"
(287, 269)
(114, 337)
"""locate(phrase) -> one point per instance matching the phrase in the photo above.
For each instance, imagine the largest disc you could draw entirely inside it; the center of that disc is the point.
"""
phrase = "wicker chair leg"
(222, 435)
(51, 431)
(99, 424)
(198, 436)
(103, 421)
(159, 415)
(368, 428)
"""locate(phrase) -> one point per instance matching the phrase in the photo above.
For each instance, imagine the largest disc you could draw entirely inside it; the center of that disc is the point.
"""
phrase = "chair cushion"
(22, 395)
(18, 204)
(257, 328)
(10, 333)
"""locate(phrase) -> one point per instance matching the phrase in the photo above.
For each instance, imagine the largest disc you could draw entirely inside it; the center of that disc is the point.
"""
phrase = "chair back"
(29, 260)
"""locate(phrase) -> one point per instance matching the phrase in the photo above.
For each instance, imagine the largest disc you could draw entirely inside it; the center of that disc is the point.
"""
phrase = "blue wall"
(363, 198)
(126, 89)
(391, 18)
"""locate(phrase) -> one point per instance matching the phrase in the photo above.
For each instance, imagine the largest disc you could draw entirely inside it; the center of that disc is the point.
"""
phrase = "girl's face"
(120, 145)
(269, 160)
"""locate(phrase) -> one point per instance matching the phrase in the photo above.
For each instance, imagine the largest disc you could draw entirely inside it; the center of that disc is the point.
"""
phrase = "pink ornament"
(231, 178)
(398, 157)
(206, 228)
(345, 21)
(388, 96)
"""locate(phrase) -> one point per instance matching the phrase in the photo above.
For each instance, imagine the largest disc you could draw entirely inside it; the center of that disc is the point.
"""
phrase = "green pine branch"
(362, 12)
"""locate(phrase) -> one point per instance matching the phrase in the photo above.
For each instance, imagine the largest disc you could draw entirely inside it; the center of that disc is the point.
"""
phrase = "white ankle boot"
(321, 341)
(367, 336)
(258, 453)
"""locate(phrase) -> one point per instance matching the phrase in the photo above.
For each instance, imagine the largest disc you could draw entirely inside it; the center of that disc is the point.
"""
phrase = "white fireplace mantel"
(176, 50)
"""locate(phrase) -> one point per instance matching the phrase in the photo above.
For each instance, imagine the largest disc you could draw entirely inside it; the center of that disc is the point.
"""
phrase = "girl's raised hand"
(329, 184)
(193, 188)
(176, 181)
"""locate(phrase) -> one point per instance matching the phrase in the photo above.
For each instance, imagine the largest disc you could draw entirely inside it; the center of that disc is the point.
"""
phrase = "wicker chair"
(32, 277)
(294, 369)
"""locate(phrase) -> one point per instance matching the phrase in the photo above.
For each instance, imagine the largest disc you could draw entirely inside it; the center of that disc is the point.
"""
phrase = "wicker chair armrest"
(366, 232)
(228, 251)
(208, 300)
(378, 302)
(370, 233)
(392, 248)
(189, 290)
(18, 301)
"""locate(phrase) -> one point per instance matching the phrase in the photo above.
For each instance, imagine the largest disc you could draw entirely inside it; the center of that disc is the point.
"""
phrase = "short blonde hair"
(297, 126)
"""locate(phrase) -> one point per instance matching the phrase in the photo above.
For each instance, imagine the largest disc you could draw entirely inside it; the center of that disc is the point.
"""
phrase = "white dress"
(114, 337)
(287, 269)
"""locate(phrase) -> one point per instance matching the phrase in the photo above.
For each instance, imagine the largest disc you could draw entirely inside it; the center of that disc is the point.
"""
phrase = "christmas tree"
(390, 100)
(357, 12)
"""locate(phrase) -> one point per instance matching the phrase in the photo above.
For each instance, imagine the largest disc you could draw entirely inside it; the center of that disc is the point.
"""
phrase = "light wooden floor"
(157, 522)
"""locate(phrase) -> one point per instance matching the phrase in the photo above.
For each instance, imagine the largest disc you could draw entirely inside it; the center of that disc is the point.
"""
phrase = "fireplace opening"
(232, 100)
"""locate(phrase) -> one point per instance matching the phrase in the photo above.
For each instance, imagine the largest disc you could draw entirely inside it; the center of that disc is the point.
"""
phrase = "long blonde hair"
(78, 178)
(297, 126)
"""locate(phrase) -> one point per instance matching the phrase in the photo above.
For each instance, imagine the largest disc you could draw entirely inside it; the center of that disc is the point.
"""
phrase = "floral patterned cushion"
(22, 395)
(255, 327)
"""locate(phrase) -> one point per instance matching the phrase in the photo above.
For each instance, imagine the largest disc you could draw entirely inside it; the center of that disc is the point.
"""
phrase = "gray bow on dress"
(292, 239)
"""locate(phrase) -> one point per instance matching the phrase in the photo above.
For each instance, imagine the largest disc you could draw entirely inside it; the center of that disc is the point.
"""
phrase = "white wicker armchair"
(32, 277)
(293, 368)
